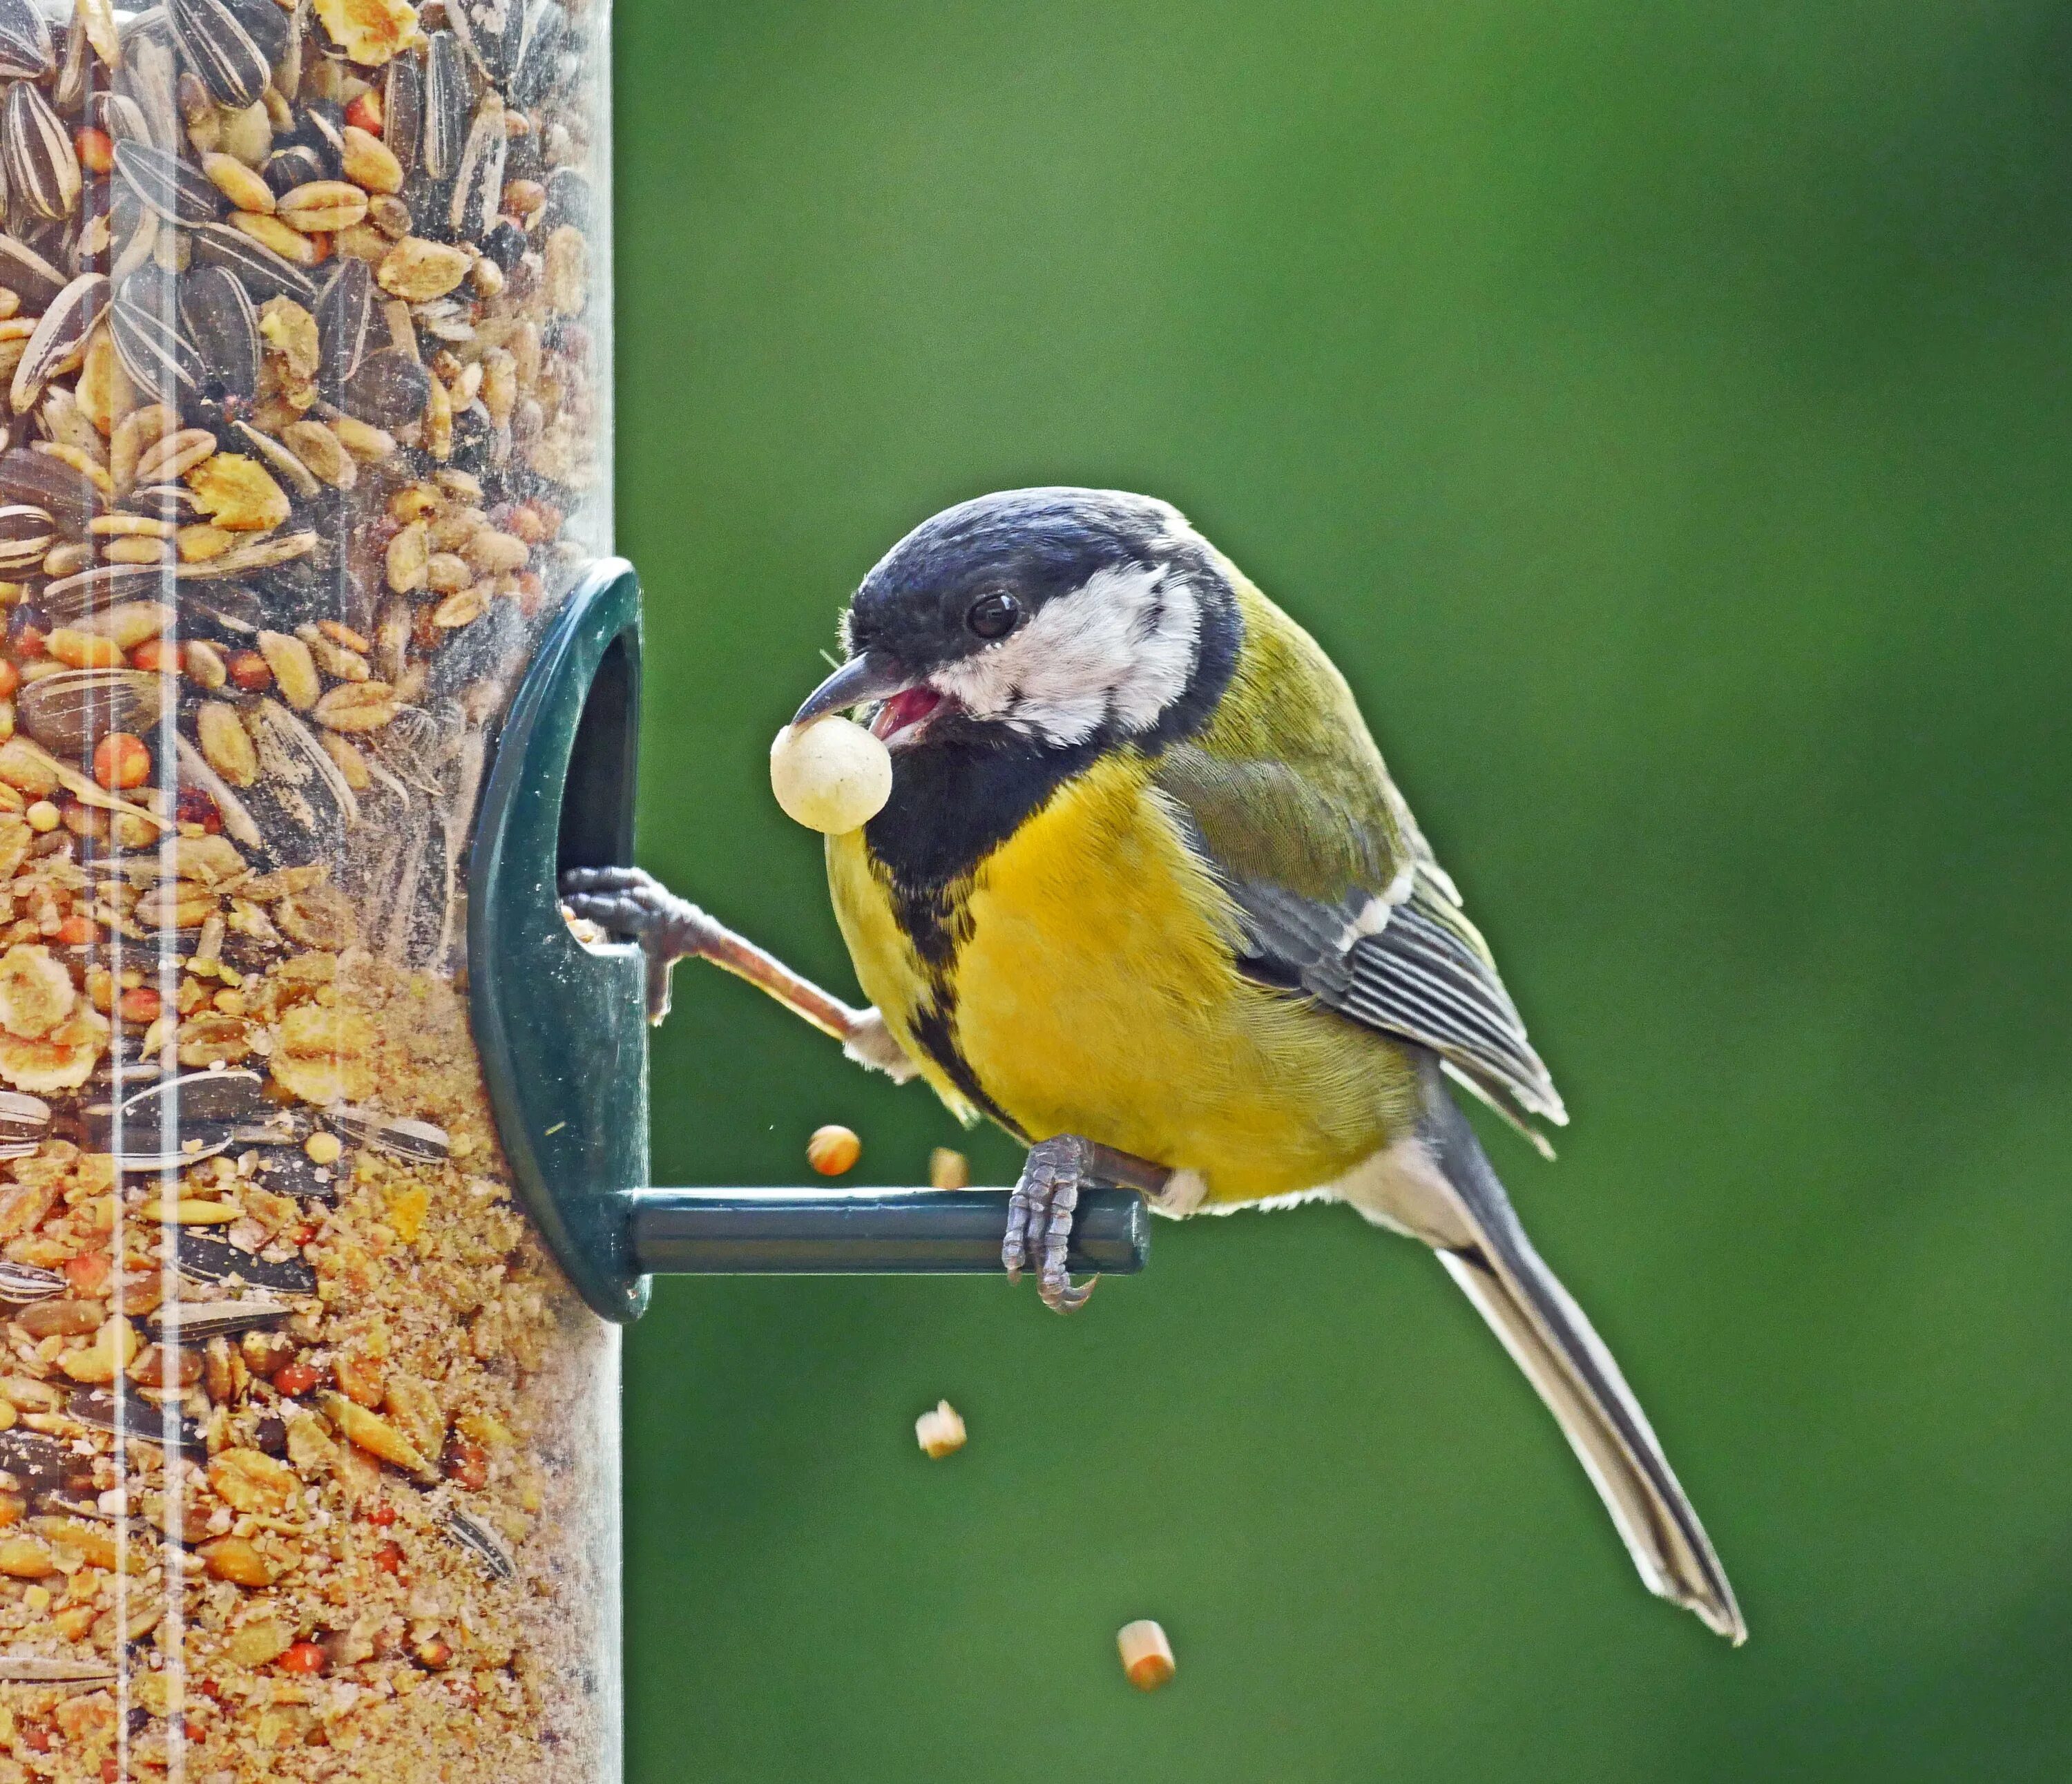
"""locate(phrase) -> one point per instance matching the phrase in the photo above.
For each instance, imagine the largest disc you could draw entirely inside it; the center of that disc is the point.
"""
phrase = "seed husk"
(217, 316)
(42, 168)
(231, 46)
(444, 106)
(173, 190)
(389, 389)
(344, 309)
(403, 111)
(480, 1541)
(155, 352)
(71, 713)
(25, 50)
(27, 274)
(478, 185)
(26, 532)
(263, 272)
(70, 498)
(60, 340)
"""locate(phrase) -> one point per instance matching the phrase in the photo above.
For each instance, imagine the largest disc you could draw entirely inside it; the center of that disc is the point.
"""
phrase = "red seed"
(303, 1657)
(142, 1004)
(364, 112)
(122, 760)
(389, 1557)
(296, 1378)
(10, 679)
(159, 656)
(382, 1515)
(76, 931)
(466, 1463)
(249, 670)
(96, 150)
(198, 806)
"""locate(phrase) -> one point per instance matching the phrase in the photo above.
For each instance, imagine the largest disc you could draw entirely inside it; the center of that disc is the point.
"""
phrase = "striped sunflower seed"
(403, 110)
(539, 65)
(296, 165)
(445, 106)
(27, 274)
(177, 192)
(26, 532)
(478, 185)
(262, 272)
(69, 497)
(344, 309)
(216, 314)
(60, 341)
(25, 50)
(75, 78)
(118, 117)
(155, 353)
(43, 168)
(232, 44)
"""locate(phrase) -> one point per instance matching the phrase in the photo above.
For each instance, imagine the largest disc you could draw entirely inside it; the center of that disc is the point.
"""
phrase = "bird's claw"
(630, 902)
(1039, 1219)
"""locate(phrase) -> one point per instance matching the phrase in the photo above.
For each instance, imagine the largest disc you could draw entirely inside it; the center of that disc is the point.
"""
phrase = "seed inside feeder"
(829, 774)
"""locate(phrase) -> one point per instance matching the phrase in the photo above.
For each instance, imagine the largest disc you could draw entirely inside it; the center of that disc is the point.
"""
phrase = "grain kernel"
(832, 1150)
(940, 1432)
(1147, 1656)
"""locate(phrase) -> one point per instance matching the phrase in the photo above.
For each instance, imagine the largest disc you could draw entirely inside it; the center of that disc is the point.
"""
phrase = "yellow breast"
(1091, 989)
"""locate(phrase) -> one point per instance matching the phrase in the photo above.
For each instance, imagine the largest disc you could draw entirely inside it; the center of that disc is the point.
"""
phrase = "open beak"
(862, 678)
(903, 702)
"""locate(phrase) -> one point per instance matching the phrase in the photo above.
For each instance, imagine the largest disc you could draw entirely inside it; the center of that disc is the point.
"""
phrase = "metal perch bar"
(863, 1232)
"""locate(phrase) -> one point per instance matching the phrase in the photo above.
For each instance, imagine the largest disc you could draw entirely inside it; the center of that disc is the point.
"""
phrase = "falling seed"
(1147, 1656)
(948, 1170)
(832, 1150)
(940, 1432)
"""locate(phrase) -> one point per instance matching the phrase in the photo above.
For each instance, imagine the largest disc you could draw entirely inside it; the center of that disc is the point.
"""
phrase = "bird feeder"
(324, 1157)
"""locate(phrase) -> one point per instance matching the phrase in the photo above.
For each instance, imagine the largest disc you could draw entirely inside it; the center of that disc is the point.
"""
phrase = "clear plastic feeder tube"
(308, 1456)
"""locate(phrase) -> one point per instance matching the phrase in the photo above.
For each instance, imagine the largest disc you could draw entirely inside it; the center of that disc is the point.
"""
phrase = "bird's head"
(1044, 619)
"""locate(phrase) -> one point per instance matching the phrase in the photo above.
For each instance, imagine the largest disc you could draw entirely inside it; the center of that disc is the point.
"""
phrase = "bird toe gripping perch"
(562, 1024)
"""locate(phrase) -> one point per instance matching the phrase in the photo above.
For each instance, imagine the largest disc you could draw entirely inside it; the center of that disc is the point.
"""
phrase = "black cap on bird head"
(1045, 620)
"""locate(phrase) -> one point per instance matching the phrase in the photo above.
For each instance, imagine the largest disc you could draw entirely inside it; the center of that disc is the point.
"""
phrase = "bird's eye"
(993, 616)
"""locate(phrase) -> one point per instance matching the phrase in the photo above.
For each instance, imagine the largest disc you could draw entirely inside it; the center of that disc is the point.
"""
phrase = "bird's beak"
(870, 677)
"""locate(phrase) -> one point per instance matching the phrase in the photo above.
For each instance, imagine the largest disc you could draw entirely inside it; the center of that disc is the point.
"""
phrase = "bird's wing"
(1351, 907)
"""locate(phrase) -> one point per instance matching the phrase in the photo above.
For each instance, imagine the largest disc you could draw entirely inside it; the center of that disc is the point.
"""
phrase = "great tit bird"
(1143, 886)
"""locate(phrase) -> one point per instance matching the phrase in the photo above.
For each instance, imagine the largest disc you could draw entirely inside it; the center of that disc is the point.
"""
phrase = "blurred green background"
(1662, 415)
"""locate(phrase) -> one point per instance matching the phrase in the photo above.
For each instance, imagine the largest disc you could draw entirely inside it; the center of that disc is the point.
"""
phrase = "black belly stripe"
(935, 1030)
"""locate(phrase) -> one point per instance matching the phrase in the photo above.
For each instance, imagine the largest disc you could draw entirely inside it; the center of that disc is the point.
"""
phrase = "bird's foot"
(1039, 1219)
(630, 902)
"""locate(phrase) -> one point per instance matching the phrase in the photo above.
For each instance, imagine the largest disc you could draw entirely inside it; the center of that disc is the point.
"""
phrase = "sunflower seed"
(223, 607)
(478, 185)
(67, 495)
(176, 191)
(216, 314)
(445, 106)
(323, 132)
(296, 165)
(27, 274)
(26, 534)
(130, 1415)
(172, 502)
(403, 110)
(480, 1541)
(207, 1259)
(25, 53)
(232, 47)
(69, 597)
(150, 75)
(69, 91)
(71, 713)
(20, 1282)
(192, 1322)
(155, 352)
(389, 388)
(61, 337)
(118, 117)
(43, 170)
(262, 272)
(490, 29)
(343, 309)
(419, 1141)
(540, 56)
(52, 1669)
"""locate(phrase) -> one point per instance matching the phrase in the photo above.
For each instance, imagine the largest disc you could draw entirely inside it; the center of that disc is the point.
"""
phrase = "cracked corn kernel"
(948, 1170)
(323, 1148)
(941, 1431)
(1147, 1656)
(832, 1150)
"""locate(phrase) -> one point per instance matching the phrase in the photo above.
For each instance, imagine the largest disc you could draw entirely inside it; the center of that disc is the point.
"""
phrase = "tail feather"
(1484, 1249)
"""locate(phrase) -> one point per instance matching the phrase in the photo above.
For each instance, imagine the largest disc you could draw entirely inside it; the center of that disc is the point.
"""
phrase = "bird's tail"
(1550, 1339)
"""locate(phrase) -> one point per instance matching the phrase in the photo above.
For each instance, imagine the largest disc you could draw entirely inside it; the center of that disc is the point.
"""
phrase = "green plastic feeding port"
(562, 1029)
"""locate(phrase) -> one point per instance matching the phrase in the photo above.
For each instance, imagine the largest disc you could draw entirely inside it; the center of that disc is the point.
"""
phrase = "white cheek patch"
(1119, 650)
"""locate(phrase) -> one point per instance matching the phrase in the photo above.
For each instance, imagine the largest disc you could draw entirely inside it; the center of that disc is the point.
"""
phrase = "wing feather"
(1384, 941)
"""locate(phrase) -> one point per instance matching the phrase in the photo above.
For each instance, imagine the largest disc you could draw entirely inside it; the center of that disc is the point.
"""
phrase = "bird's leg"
(1039, 1219)
(628, 902)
